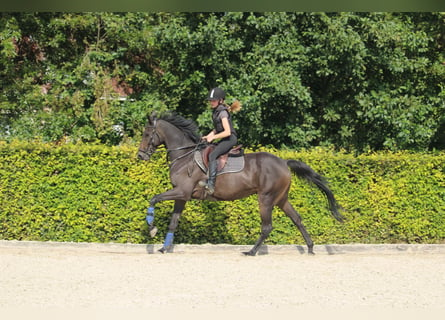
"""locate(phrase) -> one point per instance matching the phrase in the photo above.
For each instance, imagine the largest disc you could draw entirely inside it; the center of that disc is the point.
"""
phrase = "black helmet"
(216, 94)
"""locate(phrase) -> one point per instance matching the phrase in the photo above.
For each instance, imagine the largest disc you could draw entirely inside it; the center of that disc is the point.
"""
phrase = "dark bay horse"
(263, 174)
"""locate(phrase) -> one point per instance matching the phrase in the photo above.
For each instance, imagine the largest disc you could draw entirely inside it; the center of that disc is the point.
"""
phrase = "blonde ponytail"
(235, 107)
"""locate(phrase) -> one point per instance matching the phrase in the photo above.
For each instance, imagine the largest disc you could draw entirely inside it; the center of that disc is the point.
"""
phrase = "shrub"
(96, 193)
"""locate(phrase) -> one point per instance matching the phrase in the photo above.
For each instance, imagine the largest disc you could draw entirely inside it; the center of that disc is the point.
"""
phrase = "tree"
(360, 81)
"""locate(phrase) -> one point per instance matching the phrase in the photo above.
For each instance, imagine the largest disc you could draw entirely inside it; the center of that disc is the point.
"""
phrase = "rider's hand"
(210, 137)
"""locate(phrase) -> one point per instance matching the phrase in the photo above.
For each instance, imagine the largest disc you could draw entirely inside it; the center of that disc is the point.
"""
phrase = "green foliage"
(71, 193)
(95, 193)
(71, 76)
(358, 81)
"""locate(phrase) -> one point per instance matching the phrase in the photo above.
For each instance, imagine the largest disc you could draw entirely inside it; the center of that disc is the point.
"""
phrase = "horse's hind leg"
(296, 219)
(266, 226)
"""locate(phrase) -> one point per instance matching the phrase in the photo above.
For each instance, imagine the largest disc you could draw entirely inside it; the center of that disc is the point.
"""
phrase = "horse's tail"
(302, 170)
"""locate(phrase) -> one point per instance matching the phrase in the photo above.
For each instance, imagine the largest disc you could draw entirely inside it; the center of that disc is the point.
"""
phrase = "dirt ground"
(39, 275)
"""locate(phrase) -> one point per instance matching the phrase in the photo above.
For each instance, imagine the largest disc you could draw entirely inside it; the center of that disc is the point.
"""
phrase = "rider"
(223, 129)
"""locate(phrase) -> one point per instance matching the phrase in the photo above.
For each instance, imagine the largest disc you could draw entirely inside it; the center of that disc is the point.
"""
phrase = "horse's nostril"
(142, 156)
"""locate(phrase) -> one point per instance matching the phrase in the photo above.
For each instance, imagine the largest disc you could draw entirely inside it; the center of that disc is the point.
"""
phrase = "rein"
(151, 149)
(195, 147)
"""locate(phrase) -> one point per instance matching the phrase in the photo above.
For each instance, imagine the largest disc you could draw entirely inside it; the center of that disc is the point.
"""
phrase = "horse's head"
(150, 139)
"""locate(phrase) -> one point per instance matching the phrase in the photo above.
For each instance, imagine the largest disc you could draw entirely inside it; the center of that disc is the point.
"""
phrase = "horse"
(264, 174)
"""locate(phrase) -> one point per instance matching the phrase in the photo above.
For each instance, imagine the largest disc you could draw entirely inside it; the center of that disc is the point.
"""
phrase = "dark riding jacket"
(219, 113)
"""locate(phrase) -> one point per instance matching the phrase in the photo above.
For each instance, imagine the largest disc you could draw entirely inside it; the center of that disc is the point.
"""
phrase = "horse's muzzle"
(142, 155)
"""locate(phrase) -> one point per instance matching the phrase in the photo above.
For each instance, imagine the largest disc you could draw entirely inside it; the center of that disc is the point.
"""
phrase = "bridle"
(152, 149)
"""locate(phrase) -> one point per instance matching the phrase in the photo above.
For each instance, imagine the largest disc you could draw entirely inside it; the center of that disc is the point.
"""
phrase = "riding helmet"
(216, 94)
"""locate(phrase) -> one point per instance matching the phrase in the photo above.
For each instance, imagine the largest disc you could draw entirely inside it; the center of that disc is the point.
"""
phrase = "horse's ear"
(152, 117)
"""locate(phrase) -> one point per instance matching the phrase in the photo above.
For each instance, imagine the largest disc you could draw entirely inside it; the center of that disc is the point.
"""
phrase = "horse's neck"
(173, 137)
(175, 140)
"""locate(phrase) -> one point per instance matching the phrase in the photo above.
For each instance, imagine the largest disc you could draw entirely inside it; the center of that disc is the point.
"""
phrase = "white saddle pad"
(233, 164)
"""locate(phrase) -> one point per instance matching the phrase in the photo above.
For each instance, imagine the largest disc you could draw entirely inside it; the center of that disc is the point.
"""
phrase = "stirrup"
(210, 190)
(205, 185)
(202, 183)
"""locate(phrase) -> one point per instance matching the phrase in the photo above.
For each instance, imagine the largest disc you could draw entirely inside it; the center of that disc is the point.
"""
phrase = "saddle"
(236, 151)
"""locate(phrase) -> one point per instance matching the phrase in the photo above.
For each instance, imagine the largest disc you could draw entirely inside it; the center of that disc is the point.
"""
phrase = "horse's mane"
(188, 127)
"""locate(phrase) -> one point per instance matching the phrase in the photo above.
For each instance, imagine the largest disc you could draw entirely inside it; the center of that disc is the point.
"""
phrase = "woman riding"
(223, 131)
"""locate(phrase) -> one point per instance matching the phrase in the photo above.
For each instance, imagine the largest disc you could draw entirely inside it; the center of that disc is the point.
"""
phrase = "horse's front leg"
(173, 194)
(180, 199)
(174, 221)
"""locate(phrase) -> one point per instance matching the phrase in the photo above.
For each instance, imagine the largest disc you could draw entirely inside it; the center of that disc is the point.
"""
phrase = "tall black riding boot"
(213, 166)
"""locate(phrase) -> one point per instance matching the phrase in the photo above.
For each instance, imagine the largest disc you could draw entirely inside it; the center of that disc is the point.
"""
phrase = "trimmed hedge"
(95, 193)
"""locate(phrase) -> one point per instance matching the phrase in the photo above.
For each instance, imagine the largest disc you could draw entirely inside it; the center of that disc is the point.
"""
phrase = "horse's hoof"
(311, 253)
(153, 231)
(249, 253)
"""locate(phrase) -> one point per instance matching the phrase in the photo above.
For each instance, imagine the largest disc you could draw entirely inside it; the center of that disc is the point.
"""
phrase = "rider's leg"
(223, 146)
(213, 165)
